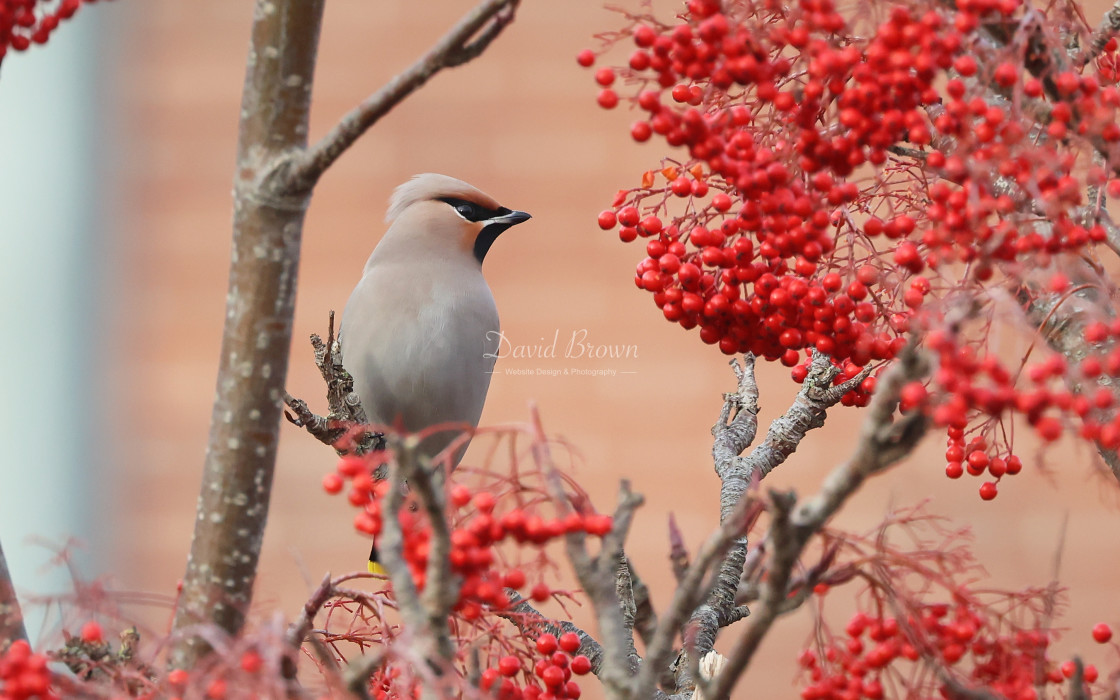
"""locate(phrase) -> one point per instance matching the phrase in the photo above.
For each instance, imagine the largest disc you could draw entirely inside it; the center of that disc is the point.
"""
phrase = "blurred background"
(117, 145)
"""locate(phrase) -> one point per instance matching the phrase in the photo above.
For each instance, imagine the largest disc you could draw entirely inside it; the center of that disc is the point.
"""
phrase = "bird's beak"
(510, 218)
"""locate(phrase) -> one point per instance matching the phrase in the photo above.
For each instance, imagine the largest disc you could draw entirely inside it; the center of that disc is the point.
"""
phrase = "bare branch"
(883, 441)
(430, 630)
(11, 618)
(440, 590)
(1077, 690)
(482, 24)
(691, 590)
(341, 427)
(645, 617)
(807, 412)
(678, 555)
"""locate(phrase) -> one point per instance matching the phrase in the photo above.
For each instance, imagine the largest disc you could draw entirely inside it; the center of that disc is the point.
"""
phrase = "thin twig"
(483, 24)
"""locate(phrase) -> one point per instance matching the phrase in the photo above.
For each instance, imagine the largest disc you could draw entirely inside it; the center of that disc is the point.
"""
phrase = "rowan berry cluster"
(479, 526)
(923, 628)
(848, 179)
(551, 677)
(24, 675)
(27, 22)
(868, 661)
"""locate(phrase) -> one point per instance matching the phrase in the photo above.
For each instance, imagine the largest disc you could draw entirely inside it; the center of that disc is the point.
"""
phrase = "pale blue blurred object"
(55, 258)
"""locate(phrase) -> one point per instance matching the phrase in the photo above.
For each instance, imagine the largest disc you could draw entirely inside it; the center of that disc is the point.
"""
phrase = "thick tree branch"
(11, 618)
(692, 588)
(466, 41)
(883, 441)
(425, 624)
(786, 432)
(245, 423)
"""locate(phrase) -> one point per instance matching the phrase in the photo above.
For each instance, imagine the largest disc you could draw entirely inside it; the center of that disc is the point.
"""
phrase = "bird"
(420, 332)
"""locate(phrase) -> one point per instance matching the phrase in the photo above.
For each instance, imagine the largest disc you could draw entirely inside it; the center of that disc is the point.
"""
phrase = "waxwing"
(420, 331)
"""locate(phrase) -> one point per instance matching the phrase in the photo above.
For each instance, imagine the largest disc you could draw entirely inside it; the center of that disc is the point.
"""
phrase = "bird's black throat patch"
(486, 238)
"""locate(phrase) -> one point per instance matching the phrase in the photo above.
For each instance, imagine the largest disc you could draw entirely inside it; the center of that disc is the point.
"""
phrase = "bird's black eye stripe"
(472, 211)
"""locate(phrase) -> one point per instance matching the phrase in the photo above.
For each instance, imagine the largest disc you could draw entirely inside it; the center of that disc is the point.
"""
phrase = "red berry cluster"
(27, 22)
(554, 669)
(844, 179)
(875, 649)
(976, 394)
(764, 278)
(24, 675)
(475, 535)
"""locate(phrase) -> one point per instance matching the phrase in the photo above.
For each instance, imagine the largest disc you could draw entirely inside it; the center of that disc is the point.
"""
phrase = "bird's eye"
(467, 211)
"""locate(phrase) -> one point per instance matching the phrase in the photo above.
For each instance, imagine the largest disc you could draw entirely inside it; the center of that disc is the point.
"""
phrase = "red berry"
(217, 689)
(541, 592)
(608, 99)
(988, 490)
(91, 632)
(569, 642)
(546, 643)
(604, 76)
(178, 677)
(332, 483)
(585, 58)
(641, 131)
(1102, 633)
(607, 220)
(514, 578)
(597, 524)
(485, 502)
(552, 676)
(351, 465)
(489, 677)
(509, 665)
(581, 665)
(460, 495)
(251, 661)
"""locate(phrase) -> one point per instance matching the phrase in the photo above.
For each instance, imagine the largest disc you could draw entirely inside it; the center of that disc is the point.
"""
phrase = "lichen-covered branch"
(341, 428)
(883, 441)
(597, 575)
(11, 618)
(690, 591)
(465, 41)
(807, 412)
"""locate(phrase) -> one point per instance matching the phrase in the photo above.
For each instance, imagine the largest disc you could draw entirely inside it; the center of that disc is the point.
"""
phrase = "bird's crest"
(433, 186)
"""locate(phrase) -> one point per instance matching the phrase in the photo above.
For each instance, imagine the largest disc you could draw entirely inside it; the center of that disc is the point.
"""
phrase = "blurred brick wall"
(522, 124)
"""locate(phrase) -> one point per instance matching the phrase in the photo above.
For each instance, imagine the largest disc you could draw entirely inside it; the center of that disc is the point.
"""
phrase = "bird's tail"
(374, 565)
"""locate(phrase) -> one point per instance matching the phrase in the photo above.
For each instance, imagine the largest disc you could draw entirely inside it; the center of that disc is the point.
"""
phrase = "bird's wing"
(417, 346)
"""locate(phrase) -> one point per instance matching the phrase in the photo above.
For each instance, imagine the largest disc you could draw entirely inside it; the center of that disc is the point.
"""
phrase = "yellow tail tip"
(375, 568)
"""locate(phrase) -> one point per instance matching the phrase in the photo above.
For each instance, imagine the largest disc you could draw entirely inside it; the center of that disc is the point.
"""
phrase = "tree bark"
(245, 423)
(11, 619)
